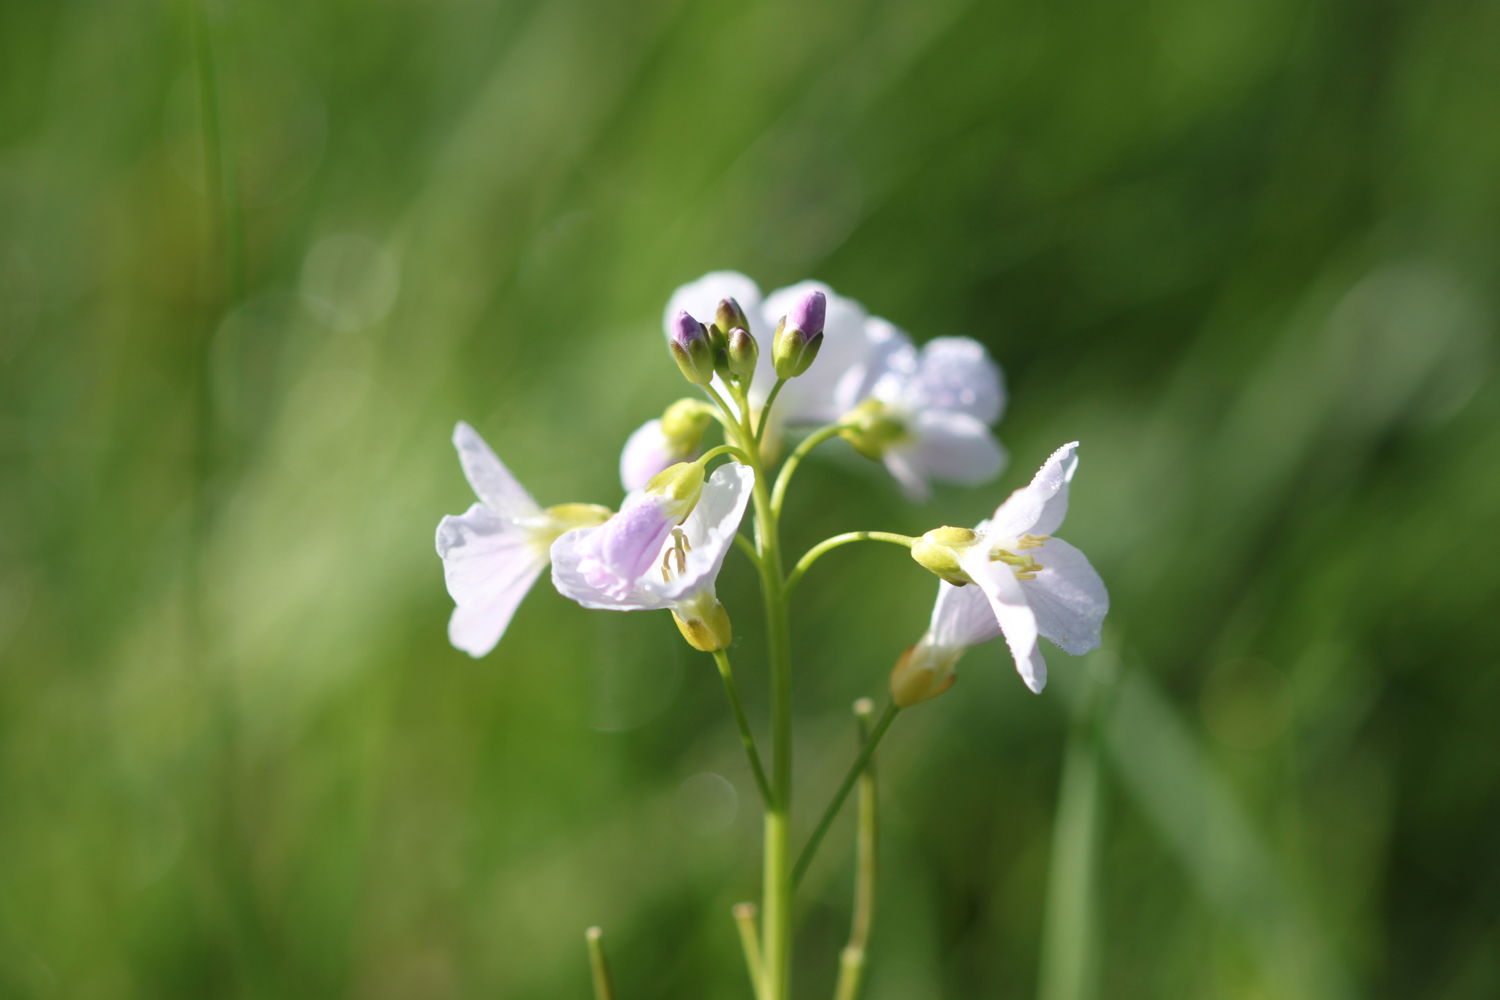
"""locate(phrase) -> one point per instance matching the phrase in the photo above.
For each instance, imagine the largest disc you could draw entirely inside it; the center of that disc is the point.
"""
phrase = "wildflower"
(1035, 584)
(614, 557)
(494, 551)
(928, 414)
(678, 572)
(658, 444)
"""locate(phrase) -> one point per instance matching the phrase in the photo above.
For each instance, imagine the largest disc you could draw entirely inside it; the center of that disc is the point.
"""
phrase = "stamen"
(1032, 541)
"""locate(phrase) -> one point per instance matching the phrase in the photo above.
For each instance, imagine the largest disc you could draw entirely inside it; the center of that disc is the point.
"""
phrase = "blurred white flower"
(928, 414)
(494, 551)
(681, 569)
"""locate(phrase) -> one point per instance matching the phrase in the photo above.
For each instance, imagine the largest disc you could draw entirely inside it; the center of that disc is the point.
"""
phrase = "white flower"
(1038, 585)
(678, 573)
(495, 550)
(928, 414)
(1024, 584)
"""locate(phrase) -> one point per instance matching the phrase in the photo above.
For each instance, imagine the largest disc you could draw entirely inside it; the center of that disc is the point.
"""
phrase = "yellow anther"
(1032, 541)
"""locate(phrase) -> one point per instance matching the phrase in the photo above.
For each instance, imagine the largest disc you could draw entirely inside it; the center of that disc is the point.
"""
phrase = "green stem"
(746, 737)
(852, 959)
(724, 449)
(760, 430)
(603, 988)
(805, 858)
(744, 919)
(810, 442)
(812, 554)
(747, 547)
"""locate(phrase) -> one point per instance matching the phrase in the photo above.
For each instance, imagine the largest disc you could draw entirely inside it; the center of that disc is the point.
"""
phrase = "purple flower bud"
(692, 349)
(799, 336)
(807, 315)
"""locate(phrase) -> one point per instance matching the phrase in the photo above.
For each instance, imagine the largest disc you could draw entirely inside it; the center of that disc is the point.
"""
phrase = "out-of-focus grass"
(1245, 252)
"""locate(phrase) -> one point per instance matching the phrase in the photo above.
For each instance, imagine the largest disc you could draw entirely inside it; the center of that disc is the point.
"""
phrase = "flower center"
(678, 551)
(1025, 567)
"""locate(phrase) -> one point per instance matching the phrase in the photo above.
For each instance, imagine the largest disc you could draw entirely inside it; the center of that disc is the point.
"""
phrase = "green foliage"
(1245, 252)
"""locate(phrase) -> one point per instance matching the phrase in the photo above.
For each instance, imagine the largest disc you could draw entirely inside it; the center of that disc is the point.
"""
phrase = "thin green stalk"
(852, 959)
(810, 442)
(760, 430)
(747, 547)
(812, 554)
(603, 988)
(726, 449)
(746, 736)
(744, 918)
(805, 858)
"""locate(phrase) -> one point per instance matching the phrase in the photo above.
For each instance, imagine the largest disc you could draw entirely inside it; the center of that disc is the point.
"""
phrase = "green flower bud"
(923, 673)
(729, 316)
(743, 352)
(871, 429)
(940, 549)
(704, 623)
(684, 423)
(682, 482)
(799, 335)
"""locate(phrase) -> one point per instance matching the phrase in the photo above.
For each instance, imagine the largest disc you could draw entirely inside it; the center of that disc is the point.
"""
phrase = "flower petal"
(489, 563)
(1034, 673)
(957, 374)
(884, 341)
(962, 617)
(615, 555)
(1039, 508)
(571, 583)
(956, 448)
(904, 465)
(1068, 597)
(490, 479)
(1012, 611)
(647, 452)
(710, 531)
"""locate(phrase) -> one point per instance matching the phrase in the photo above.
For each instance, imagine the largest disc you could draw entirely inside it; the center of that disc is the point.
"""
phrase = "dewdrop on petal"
(799, 335)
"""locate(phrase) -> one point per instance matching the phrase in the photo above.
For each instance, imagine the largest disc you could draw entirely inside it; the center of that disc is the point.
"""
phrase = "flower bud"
(729, 316)
(871, 429)
(940, 549)
(684, 422)
(682, 484)
(692, 349)
(799, 335)
(923, 672)
(742, 353)
(704, 623)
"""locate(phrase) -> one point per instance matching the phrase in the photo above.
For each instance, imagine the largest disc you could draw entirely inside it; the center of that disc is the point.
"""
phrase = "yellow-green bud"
(793, 350)
(729, 316)
(871, 429)
(922, 673)
(682, 482)
(939, 551)
(704, 623)
(684, 422)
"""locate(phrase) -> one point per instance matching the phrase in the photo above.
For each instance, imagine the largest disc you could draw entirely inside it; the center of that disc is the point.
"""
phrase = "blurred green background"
(1246, 251)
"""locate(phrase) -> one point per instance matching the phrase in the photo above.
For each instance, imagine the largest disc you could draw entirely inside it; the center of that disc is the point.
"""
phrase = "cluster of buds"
(727, 348)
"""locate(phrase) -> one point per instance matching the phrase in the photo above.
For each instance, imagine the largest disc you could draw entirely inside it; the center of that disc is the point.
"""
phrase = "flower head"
(494, 551)
(623, 548)
(678, 573)
(928, 415)
(1035, 585)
